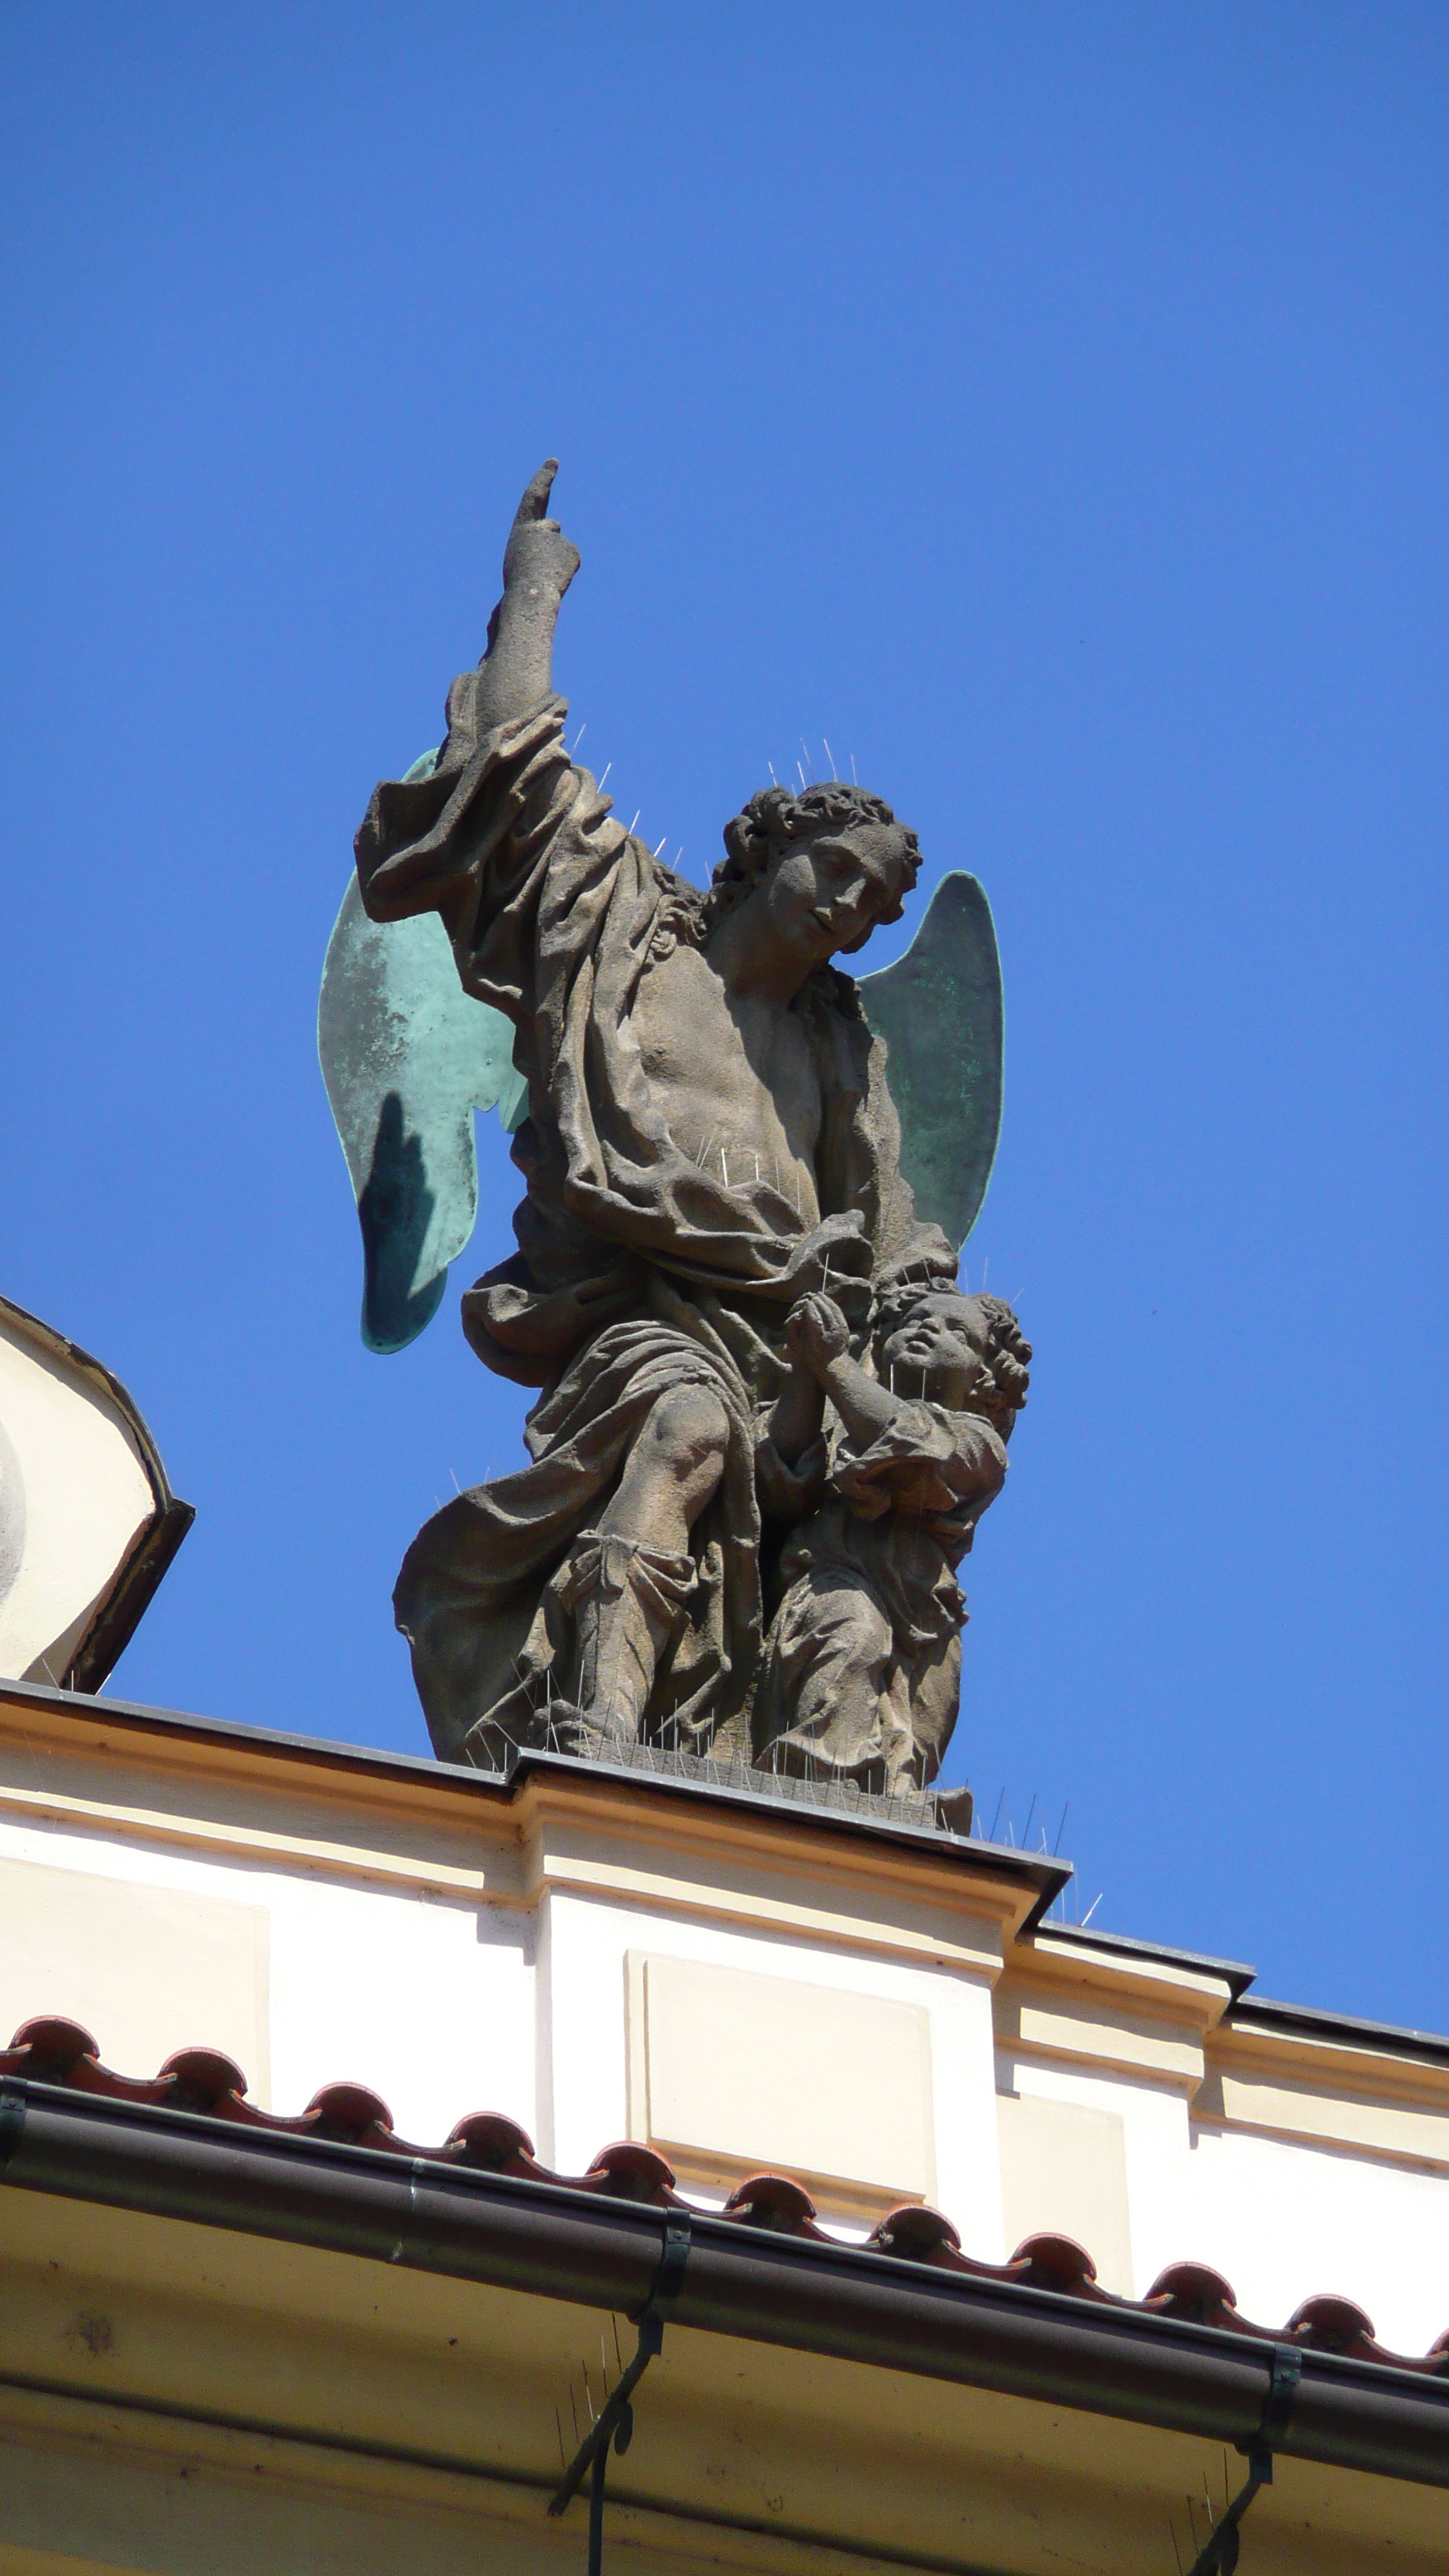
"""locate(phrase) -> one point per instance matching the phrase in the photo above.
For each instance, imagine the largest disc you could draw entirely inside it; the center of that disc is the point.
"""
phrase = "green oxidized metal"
(407, 1057)
(939, 1010)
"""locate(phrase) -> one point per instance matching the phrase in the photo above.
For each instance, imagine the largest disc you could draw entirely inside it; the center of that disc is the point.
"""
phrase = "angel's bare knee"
(686, 1432)
(673, 1470)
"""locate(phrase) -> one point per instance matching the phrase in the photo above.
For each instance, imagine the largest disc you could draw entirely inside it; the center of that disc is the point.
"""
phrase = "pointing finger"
(535, 500)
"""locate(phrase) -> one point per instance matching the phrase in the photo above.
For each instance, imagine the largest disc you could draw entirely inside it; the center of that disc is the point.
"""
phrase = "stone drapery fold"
(555, 916)
(478, 1599)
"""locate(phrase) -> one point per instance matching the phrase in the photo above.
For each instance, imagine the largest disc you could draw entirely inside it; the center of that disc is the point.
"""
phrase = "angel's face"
(826, 895)
(933, 1355)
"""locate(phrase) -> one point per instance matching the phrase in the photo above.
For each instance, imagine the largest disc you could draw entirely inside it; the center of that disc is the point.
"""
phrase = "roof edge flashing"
(1044, 1877)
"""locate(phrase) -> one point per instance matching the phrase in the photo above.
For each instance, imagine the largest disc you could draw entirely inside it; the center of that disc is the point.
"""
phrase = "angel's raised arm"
(418, 843)
(539, 562)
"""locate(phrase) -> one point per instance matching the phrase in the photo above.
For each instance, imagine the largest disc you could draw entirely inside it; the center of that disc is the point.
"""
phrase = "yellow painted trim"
(1362, 2098)
(1370, 2072)
(1180, 1994)
(99, 1776)
(923, 1903)
(680, 1895)
(1257, 2101)
(253, 1842)
(608, 1839)
(1089, 2030)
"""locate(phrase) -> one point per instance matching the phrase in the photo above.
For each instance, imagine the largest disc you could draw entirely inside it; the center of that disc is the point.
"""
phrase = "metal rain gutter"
(846, 2303)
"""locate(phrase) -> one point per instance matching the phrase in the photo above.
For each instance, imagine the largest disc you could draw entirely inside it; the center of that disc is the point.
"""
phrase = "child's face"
(934, 1353)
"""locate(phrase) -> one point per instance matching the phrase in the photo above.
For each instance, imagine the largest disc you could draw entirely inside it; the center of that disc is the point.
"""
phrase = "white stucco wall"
(430, 2003)
(583, 2005)
(444, 2004)
(1291, 2218)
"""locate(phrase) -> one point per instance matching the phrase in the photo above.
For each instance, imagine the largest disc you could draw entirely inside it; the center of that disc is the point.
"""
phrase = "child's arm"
(799, 1412)
(790, 1460)
(817, 1338)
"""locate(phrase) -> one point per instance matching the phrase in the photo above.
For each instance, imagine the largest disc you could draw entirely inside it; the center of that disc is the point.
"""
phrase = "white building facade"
(742, 1985)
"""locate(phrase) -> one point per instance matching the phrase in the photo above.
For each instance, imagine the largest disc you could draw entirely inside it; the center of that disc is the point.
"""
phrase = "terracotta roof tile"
(54, 2051)
(775, 2202)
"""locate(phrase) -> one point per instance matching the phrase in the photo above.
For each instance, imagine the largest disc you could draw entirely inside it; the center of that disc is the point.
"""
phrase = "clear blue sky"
(1045, 403)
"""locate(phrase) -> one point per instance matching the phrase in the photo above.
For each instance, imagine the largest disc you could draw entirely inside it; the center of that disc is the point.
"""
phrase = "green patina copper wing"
(407, 1056)
(939, 1010)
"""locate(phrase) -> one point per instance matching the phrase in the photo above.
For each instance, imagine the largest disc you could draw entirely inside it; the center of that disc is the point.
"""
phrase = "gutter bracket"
(12, 2121)
(614, 2426)
(1220, 2556)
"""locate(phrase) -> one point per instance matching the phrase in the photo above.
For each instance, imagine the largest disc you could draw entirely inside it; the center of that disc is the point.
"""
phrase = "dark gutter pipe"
(595, 2251)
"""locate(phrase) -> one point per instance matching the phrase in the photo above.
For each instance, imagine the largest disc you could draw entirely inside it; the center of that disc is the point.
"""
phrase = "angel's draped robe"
(636, 1270)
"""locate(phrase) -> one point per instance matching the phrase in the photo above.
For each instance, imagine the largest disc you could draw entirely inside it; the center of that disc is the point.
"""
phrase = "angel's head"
(825, 868)
(967, 1354)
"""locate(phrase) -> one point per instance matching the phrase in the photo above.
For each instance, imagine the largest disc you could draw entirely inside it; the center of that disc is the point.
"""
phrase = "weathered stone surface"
(719, 1266)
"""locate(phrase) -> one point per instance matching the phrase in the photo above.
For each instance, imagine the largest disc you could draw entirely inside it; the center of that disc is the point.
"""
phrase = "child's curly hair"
(1002, 1345)
(1008, 1351)
(775, 821)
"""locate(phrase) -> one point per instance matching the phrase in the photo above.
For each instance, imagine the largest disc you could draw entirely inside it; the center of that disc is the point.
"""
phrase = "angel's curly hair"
(776, 821)
(1007, 1353)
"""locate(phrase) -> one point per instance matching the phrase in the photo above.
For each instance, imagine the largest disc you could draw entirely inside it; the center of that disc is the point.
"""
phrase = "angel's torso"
(733, 1077)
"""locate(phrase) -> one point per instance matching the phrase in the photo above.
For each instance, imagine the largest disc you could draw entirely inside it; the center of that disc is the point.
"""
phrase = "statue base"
(937, 1811)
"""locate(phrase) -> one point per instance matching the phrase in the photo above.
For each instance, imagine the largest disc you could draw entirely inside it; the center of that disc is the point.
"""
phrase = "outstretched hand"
(539, 559)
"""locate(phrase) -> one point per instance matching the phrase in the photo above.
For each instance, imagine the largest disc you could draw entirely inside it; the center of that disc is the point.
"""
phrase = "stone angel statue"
(707, 1141)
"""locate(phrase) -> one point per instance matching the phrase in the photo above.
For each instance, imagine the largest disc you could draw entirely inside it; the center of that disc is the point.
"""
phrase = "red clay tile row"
(52, 2051)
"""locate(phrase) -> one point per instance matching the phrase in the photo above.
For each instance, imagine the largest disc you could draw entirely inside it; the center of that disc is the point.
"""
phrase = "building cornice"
(341, 1810)
(117, 1769)
(1131, 2012)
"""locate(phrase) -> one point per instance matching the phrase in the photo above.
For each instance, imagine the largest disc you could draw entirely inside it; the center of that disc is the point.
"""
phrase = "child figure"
(862, 1670)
